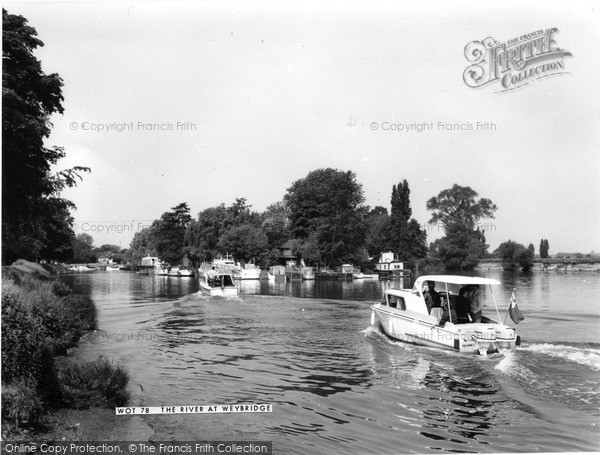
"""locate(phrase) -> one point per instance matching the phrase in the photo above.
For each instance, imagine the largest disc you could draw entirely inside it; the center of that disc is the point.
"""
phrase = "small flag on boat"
(513, 310)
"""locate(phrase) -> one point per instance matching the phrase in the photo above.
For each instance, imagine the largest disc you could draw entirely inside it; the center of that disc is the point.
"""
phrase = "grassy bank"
(42, 319)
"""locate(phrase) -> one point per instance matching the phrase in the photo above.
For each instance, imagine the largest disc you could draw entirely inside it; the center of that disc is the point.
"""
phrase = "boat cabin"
(220, 281)
(449, 290)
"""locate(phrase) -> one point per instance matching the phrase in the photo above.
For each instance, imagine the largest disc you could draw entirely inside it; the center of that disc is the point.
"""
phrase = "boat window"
(396, 302)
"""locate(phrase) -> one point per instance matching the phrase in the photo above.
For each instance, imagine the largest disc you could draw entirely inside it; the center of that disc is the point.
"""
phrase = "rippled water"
(337, 384)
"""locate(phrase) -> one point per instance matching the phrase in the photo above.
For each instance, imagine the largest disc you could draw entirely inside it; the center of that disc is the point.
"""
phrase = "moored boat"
(185, 272)
(222, 265)
(308, 273)
(161, 269)
(247, 272)
(364, 276)
(403, 315)
(276, 271)
(221, 285)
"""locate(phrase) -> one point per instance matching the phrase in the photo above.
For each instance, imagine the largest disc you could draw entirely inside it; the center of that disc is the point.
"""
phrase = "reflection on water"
(338, 385)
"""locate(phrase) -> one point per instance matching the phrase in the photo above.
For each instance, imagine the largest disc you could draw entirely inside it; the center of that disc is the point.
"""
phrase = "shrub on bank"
(41, 319)
(97, 383)
(23, 338)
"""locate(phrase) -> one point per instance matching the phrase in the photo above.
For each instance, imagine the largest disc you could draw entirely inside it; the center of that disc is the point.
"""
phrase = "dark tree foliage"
(458, 206)
(35, 222)
(459, 211)
(544, 248)
(204, 234)
(514, 255)
(245, 242)
(377, 231)
(275, 223)
(169, 233)
(141, 245)
(326, 206)
(459, 249)
(406, 238)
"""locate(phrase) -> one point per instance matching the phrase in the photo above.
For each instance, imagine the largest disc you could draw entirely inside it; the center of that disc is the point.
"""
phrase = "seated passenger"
(462, 307)
(475, 306)
(432, 298)
(447, 315)
(210, 276)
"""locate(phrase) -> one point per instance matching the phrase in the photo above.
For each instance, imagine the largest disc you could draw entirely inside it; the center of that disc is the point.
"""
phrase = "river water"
(338, 385)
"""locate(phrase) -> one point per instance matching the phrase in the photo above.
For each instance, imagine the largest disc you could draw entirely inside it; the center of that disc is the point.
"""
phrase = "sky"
(204, 102)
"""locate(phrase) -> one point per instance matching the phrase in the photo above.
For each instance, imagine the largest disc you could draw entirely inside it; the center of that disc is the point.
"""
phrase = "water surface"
(337, 384)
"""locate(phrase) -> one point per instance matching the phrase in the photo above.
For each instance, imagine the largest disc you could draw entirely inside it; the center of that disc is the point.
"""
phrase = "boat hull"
(246, 274)
(218, 291)
(475, 338)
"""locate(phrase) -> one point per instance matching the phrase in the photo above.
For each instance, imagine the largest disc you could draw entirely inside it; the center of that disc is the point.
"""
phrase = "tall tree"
(276, 224)
(406, 237)
(327, 205)
(377, 231)
(35, 221)
(203, 234)
(169, 233)
(459, 211)
(544, 248)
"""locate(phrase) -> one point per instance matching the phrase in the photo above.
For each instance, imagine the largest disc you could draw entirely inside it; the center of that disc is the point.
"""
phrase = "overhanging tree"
(36, 222)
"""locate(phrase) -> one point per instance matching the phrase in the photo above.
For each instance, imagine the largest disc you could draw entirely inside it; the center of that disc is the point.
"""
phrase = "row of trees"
(325, 214)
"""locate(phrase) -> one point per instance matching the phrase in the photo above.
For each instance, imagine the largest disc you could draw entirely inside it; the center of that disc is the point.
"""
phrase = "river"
(338, 385)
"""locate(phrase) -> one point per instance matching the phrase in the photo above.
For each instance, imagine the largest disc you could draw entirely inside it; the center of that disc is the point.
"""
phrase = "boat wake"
(555, 373)
(586, 356)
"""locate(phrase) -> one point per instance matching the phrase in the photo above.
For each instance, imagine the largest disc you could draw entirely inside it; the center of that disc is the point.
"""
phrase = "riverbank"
(42, 321)
(549, 265)
(95, 424)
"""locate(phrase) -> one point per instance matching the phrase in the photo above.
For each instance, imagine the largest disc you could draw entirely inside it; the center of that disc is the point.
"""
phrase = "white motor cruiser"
(403, 315)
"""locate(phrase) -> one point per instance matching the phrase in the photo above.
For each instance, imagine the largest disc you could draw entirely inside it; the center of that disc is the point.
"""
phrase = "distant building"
(287, 251)
(105, 258)
(150, 261)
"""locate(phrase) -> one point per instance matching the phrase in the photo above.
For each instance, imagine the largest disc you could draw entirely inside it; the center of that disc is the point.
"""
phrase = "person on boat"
(462, 307)
(475, 305)
(432, 298)
(211, 275)
(448, 314)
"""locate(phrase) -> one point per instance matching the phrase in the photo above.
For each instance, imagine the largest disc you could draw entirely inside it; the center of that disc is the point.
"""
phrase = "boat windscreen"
(226, 280)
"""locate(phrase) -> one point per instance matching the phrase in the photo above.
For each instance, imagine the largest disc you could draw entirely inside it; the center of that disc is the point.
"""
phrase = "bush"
(82, 308)
(21, 403)
(41, 318)
(61, 289)
(23, 338)
(99, 383)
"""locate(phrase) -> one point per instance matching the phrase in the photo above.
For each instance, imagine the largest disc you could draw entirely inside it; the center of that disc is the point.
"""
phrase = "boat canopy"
(455, 279)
